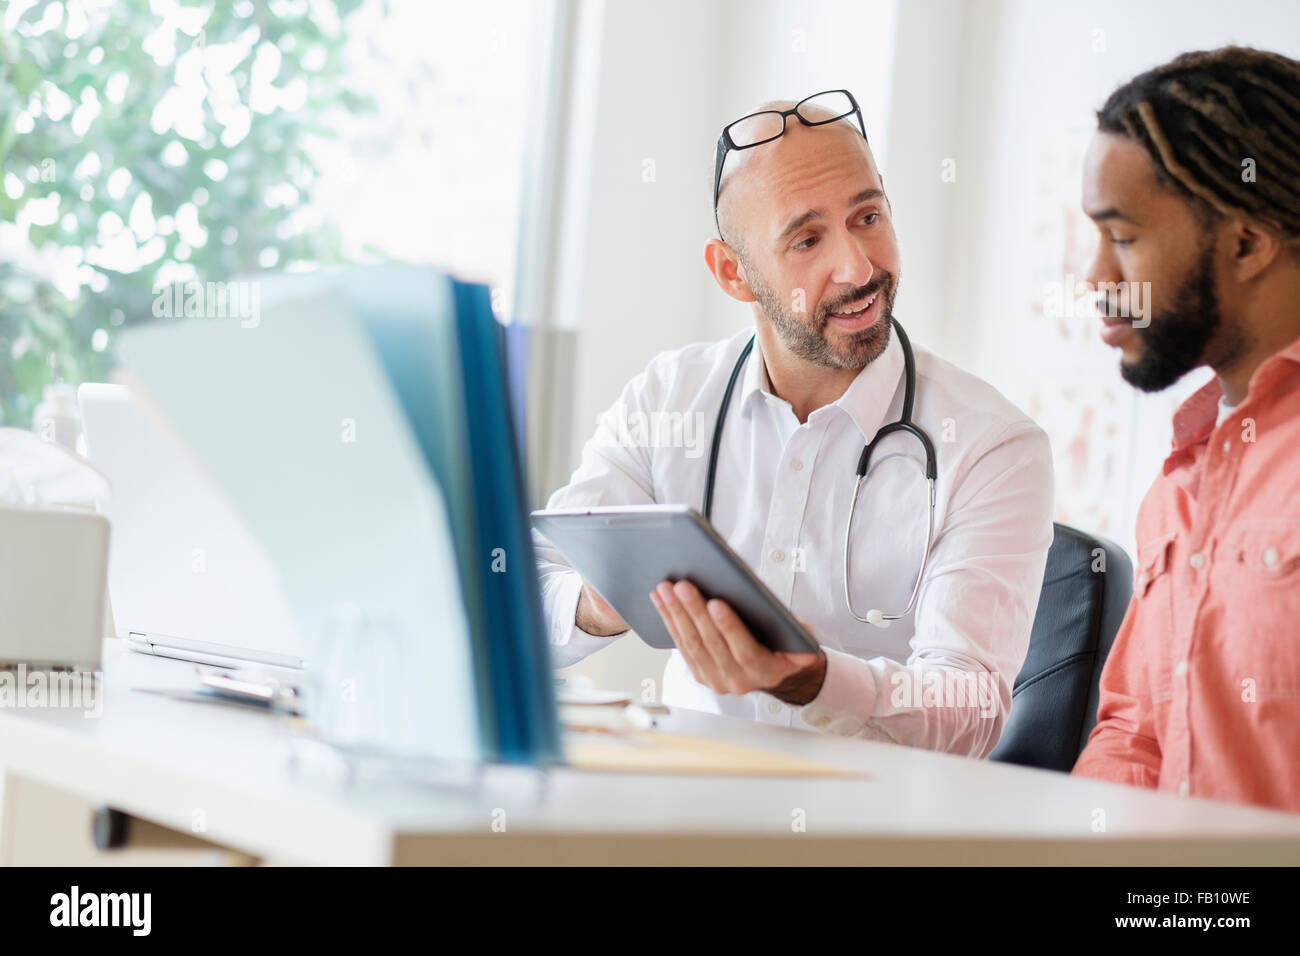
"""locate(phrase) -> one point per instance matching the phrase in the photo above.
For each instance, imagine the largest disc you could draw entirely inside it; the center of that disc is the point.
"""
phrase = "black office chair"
(1054, 699)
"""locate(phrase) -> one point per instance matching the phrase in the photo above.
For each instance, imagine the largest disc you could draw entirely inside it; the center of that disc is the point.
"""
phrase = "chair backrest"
(1086, 590)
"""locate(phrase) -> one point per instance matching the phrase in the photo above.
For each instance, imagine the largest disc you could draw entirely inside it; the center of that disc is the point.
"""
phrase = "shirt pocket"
(1154, 560)
(1260, 599)
(1267, 554)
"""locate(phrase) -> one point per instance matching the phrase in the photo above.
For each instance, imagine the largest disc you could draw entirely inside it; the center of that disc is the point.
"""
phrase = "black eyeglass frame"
(726, 144)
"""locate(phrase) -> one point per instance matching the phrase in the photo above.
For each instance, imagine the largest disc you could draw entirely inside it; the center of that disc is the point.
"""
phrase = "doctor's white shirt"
(941, 677)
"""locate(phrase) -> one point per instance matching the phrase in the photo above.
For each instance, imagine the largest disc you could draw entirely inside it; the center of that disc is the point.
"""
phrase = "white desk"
(174, 763)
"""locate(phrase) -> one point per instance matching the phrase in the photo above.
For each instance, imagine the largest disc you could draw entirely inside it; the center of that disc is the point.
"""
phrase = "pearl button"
(1183, 789)
(1181, 669)
(1197, 560)
(778, 555)
(773, 707)
(1227, 445)
(1270, 557)
(796, 465)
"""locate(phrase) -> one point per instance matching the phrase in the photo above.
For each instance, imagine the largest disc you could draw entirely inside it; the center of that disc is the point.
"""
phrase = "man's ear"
(725, 266)
(1253, 250)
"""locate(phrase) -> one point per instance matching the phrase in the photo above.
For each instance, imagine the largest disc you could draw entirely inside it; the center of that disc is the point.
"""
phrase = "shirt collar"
(1196, 418)
(866, 401)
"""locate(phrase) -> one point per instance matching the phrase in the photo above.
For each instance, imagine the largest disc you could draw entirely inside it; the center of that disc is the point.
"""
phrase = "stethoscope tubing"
(904, 424)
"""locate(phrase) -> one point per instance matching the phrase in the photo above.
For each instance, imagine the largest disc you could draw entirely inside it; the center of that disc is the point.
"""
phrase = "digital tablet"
(625, 552)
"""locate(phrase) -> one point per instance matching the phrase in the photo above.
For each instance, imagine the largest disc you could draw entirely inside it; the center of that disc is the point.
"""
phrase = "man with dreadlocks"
(1193, 181)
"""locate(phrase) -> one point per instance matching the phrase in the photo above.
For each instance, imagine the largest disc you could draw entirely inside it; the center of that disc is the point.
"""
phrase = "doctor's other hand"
(725, 657)
(595, 616)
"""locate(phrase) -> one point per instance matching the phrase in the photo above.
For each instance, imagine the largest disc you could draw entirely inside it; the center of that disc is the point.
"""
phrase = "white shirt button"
(796, 464)
(1183, 789)
(778, 555)
(1181, 669)
(1270, 557)
(1227, 445)
(773, 707)
(1197, 560)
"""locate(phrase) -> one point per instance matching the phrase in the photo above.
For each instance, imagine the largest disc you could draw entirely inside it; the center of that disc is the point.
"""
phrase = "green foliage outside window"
(239, 194)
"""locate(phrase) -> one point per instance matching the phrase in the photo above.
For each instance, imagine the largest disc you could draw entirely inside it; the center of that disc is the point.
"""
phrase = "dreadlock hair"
(1202, 115)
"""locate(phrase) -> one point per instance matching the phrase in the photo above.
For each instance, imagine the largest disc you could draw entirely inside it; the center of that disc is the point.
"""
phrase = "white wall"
(924, 122)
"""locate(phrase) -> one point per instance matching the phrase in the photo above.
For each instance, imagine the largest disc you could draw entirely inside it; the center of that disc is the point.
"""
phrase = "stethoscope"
(904, 424)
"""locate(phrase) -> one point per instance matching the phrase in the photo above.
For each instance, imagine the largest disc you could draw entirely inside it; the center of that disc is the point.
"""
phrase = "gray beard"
(807, 340)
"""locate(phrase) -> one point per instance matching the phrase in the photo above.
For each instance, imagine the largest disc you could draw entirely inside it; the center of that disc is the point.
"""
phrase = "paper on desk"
(587, 697)
(659, 752)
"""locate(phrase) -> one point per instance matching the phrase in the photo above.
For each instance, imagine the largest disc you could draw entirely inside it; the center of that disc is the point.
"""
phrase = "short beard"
(1178, 338)
(808, 341)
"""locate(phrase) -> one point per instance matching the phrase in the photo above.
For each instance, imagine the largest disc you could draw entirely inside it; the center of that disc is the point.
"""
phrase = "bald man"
(807, 241)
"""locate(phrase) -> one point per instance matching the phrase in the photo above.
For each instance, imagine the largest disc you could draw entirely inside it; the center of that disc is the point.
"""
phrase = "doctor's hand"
(595, 616)
(725, 657)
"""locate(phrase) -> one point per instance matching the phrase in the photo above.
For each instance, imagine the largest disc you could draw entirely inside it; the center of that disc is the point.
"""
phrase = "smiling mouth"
(862, 306)
(858, 314)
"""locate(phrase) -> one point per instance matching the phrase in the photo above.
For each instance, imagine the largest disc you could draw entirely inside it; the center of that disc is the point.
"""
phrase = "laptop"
(186, 578)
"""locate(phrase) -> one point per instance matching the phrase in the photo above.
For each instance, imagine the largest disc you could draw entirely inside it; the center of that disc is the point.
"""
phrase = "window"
(143, 143)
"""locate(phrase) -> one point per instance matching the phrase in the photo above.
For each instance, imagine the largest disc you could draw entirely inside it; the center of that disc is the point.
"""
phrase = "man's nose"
(852, 263)
(1102, 269)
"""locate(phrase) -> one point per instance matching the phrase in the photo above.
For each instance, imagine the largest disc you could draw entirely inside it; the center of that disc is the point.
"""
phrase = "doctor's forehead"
(773, 181)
